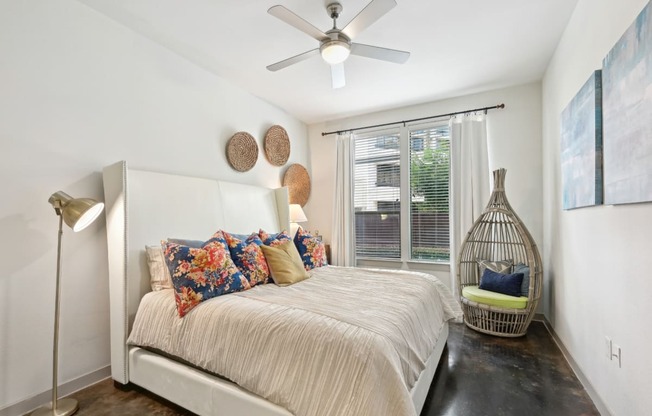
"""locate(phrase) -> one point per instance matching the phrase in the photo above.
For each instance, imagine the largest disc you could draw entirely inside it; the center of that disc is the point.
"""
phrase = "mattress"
(346, 341)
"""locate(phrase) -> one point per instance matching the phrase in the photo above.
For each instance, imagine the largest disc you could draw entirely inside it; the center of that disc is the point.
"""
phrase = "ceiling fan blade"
(291, 61)
(293, 20)
(372, 12)
(337, 75)
(375, 52)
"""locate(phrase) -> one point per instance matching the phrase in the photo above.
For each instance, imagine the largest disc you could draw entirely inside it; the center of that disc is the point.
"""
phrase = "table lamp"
(296, 216)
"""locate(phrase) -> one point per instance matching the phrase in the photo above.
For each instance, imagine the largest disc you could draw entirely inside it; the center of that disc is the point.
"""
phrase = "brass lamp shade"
(78, 213)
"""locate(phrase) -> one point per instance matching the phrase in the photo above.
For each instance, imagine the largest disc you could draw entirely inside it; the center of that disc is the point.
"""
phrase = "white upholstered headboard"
(142, 208)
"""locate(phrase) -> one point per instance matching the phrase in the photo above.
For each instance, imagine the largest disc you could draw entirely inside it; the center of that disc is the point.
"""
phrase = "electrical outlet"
(608, 347)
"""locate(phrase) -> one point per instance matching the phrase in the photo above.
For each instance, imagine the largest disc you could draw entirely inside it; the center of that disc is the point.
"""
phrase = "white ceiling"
(457, 47)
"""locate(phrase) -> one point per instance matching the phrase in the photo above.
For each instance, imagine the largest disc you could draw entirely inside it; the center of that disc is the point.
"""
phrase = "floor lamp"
(78, 213)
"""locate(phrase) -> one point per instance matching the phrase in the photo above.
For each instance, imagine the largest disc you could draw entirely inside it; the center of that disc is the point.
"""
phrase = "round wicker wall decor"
(277, 145)
(242, 151)
(298, 182)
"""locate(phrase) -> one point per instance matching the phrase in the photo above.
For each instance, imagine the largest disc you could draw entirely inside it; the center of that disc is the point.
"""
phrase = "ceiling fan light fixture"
(335, 51)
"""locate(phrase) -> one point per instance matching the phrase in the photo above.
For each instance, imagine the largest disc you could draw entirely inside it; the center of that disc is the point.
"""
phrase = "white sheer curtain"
(470, 187)
(343, 236)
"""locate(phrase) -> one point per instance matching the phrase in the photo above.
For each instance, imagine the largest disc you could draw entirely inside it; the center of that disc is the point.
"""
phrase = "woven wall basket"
(242, 151)
(298, 182)
(277, 145)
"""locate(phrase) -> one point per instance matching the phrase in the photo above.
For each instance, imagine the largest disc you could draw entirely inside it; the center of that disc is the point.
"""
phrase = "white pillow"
(158, 270)
(500, 266)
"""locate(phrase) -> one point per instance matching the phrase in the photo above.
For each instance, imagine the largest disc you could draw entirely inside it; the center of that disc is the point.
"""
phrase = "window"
(377, 195)
(429, 194)
(391, 168)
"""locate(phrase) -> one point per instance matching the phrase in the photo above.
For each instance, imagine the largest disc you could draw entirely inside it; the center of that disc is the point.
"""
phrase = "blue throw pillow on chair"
(507, 284)
(525, 286)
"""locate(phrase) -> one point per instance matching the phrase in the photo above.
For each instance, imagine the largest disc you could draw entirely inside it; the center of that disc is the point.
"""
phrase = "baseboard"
(24, 406)
(597, 400)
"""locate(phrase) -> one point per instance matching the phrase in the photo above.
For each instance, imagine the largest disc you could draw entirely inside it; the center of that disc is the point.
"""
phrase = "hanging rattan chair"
(498, 235)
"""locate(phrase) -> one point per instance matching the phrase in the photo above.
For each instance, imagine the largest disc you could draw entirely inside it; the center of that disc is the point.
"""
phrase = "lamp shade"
(297, 214)
(78, 213)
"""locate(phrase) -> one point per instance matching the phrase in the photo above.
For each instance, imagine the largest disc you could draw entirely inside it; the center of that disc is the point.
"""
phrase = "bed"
(144, 207)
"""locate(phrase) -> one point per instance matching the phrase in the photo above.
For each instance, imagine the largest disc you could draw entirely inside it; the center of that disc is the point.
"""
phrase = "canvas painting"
(581, 147)
(627, 110)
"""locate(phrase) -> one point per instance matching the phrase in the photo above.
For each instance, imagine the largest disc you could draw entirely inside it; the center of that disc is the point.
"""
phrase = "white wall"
(596, 259)
(78, 92)
(514, 143)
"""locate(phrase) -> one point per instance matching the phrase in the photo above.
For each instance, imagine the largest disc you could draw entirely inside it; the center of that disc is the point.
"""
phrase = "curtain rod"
(485, 109)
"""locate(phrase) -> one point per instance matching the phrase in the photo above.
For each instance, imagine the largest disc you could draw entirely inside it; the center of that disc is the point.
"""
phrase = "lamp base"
(65, 407)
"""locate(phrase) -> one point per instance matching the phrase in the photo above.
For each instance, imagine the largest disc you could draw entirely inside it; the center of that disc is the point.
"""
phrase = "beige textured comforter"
(347, 341)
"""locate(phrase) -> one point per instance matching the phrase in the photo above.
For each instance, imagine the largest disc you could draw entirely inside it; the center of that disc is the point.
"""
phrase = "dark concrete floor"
(486, 375)
(478, 375)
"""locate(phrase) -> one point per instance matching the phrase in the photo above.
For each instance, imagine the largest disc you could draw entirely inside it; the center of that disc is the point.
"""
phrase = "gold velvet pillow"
(285, 264)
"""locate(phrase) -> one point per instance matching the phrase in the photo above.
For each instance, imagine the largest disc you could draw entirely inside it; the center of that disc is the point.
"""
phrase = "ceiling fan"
(335, 44)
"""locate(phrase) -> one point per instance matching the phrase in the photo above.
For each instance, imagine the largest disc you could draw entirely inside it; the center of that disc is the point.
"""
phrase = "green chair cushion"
(492, 298)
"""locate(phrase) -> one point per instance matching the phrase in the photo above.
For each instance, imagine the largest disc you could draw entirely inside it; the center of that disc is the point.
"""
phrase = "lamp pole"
(55, 349)
(67, 406)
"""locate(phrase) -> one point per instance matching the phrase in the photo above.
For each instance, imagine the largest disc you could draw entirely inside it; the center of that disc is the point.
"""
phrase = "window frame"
(405, 260)
(386, 159)
(427, 126)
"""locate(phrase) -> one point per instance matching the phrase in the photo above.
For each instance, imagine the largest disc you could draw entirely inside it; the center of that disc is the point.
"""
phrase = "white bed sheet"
(347, 341)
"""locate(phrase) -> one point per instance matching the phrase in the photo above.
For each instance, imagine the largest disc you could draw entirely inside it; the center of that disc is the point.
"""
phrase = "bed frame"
(141, 209)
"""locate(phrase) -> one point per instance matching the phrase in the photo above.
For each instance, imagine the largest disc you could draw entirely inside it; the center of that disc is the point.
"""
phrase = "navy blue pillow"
(507, 284)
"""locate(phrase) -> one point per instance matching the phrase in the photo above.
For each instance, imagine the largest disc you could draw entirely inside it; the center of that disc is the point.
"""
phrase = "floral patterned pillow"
(248, 257)
(312, 251)
(199, 274)
(274, 240)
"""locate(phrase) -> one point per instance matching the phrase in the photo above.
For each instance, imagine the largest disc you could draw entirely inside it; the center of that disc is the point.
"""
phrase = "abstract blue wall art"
(581, 146)
(627, 111)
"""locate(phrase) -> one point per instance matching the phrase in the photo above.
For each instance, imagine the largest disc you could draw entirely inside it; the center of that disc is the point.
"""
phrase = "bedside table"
(327, 249)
